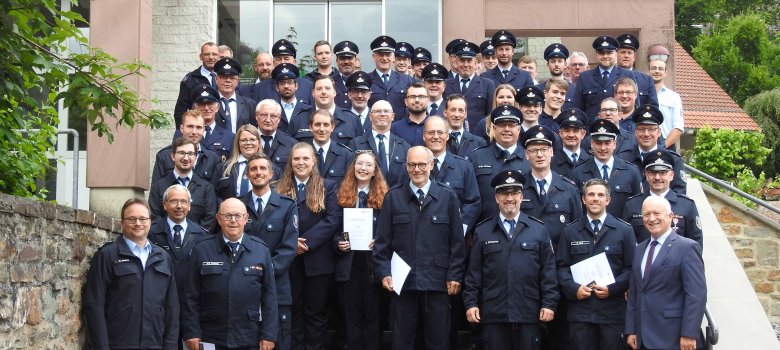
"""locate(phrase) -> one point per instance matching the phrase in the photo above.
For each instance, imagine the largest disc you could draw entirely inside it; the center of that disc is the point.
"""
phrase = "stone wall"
(536, 47)
(756, 242)
(45, 251)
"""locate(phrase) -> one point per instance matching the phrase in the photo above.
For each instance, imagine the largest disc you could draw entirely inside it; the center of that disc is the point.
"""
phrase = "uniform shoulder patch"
(256, 239)
(569, 180)
(345, 147)
(684, 196)
(571, 223)
(631, 164)
(286, 198)
(622, 221)
(483, 221)
(536, 219)
(459, 157)
(635, 196)
(106, 244)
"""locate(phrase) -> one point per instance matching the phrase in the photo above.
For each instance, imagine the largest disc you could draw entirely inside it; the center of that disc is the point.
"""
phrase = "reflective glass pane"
(303, 24)
(361, 29)
(243, 25)
(416, 22)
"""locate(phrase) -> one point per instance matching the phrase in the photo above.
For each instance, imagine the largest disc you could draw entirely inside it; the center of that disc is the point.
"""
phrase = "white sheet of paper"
(399, 270)
(359, 222)
(595, 268)
(204, 346)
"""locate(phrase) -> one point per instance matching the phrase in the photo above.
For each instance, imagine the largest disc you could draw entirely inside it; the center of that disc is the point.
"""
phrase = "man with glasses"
(276, 145)
(625, 94)
(346, 59)
(215, 137)
(205, 161)
(410, 128)
(130, 299)
(387, 84)
(209, 54)
(659, 171)
(230, 296)
(626, 142)
(576, 64)
(648, 119)
(629, 45)
(670, 104)
(359, 85)
(235, 110)
(420, 222)
(203, 202)
(389, 148)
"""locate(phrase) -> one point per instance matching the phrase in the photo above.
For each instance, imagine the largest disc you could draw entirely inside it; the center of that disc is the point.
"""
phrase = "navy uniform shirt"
(394, 92)
(561, 205)
(160, 234)
(396, 149)
(228, 301)
(277, 226)
(205, 167)
(337, 160)
(511, 279)
(591, 90)
(686, 221)
(346, 129)
(516, 77)
(678, 183)
(203, 204)
(578, 242)
(466, 145)
(429, 237)
(458, 174)
(624, 182)
(478, 95)
(410, 131)
(489, 161)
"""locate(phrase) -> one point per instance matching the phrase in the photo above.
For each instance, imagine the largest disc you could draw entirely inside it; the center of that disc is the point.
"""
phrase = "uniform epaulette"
(186, 76)
(536, 219)
(568, 180)
(484, 221)
(106, 244)
(398, 185)
(674, 153)
(481, 147)
(623, 221)
(459, 157)
(256, 239)
(636, 195)
(684, 196)
(571, 223)
(632, 164)
(345, 147)
(287, 198)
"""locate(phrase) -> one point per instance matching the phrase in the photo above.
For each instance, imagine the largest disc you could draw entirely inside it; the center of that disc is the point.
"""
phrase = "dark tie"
(649, 261)
(267, 143)
(434, 109)
(301, 192)
(574, 158)
(642, 155)
(596, 223)
(511, 223)
(505, 72)
(321, 156)
(208, 132)
(420, 196)
(381, 153)
(213, 80)
(184, 180)
(463, 85)
(604, 77)
(177, 236)
(233, 248)
(505, 155)
(244, 180)
(435, 171)
(228, 121)
(259, 205)
(363, 199)
(454, 141)
(542, 192)
(605, 172)
(385, 78)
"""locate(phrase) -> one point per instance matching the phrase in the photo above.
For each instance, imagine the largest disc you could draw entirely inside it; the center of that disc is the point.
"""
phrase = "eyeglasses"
(183, 154)
(359, 92)
(609, 110)
(537, 151)
(132, 220)
(247, 141)
(232, 217)
(645, 130)
(660, 69)
(625, 93)
(435, 132)
(417, 97)
(178, 201)
(367, 165)
(381, 111)
(577, 64)
(286, 82)
(267, 116)
(412, 166)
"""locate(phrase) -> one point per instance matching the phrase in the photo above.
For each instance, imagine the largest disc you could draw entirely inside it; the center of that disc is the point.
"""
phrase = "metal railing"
(75, 134)
(731, 188)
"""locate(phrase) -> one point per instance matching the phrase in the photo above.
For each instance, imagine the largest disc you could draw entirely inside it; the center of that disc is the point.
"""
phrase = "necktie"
(267, 144)
(604, 77)
(381, 153)
(321, 156)
(208, 132)
(420, 196)
(574, 158)
(363, 199)
(505, 72)
(649, 261)
(505, 155)
(454, 140)
(511, 223)
(259, 205)
(177, 236)
(605, 172)
(213, 80)
(226, 103)
(184, 180)
(244, 180)
(596, 223)
(463, 84)
(233, 248)
(301, 192)
(385, 78)
(434, 109)
(642, 155)
(542, 191)
(435, 171)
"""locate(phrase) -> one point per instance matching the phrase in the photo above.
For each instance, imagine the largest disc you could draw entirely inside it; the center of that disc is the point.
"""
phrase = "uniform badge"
(295, 221)
(698, 222)
(285, 70)
(573, 119)
(647, 115)
(503, 37)
(420, 55)
(539, 136)
(627, 41)
(467, 49)
(403, 48)
(563, 218)
(602, 130)
(227, 66)
(383, 44)
(360, 79)
(434, 71)
(204, 93)
(506, 112)
(531, 94)
(281, 47)
(557, 49)
(346, 49)
(605, 44)
(510, 180)
(490, 47)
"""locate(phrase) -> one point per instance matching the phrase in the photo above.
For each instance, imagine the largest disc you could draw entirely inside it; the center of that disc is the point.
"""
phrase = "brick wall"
(45, 251)
(756, 241)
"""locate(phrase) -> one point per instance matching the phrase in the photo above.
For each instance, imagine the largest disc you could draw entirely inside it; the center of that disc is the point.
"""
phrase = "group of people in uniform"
(488, 186)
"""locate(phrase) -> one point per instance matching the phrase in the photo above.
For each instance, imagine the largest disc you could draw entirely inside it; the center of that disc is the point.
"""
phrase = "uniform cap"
(556, 51)
(204, 93)
(602, 130)
(435, 71)
(451, 45)
(606, 42)
(227, 66)
(572, 117)
(529, 95)
(346, 48)
(466, 49)
(503, 37)
(487, 48)
(421, 54)
(284, 71)
(283, 47)
(359, 80)
(383, 43)
(628, 41)
(658, 160)
(506, 113)
(508, 180)
(404, 49)
(537, 134)
(647, 114)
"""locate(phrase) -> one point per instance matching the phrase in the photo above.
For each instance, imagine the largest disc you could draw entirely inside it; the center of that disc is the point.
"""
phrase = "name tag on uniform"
(213, 263)
(637, 216)
(579, 243)
(526, 199)
(119, 261)
(484, 166)
(490, 242)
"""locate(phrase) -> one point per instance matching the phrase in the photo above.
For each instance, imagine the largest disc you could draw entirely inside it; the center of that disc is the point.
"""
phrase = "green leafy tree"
(691, 16)
(740, 56)
(38, 71)
(765, 110)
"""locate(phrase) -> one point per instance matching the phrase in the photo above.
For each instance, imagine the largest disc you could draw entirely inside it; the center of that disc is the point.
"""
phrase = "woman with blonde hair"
(230, 178)
(319, 220)
(359, 292)
(504, 95)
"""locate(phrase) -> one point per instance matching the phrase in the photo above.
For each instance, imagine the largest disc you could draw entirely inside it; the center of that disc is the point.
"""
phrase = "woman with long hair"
(319, 221)
(363, 187)
(230, 179)
(504, 95)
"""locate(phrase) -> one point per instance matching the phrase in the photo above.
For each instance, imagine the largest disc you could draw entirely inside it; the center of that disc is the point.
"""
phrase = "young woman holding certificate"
(359, 291)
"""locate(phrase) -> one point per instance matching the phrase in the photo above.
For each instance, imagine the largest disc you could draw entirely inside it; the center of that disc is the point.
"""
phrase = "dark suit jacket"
(468, 143)
(302, 111)
(562, 164)
(267, 89)
(394, 92)
(516, 77)
(161, 235)
(396, 147)
(245, 108)
(202, 208)
(624, 182)
(281, 146)
(336, 162)
(458, 174)
(319, 229)
(479, 97)
(671, 304)
(205, 167)
(220, 141)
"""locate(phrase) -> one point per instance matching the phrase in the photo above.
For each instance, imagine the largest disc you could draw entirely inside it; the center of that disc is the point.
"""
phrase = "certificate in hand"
(359, 222)
(595, 268)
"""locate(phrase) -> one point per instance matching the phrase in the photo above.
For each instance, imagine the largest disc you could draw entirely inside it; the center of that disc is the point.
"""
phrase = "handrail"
(75, 134)
(731, 188)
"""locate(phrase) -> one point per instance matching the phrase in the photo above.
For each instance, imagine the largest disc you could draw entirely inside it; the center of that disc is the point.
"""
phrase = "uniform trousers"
(359, 298)
(309, 309)
(429, 307)
(514, 336)
(593, 336)
(284, 337)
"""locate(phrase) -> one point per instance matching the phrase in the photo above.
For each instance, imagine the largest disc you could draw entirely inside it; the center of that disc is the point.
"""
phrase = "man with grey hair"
(276, 145)
(225, 51)
(389, 148)
(576, 64)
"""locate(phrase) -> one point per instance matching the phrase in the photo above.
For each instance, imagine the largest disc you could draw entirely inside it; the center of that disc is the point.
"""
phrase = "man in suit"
(461, 141)
(203, 199)
(504, 43)
(626, 52)
(215, 137)
(477, 91)
(387, 84)
(333, 158)
(420, 222)
(202, 75)
(285, 80)
(623, 177)
(276, 144)
(235, 110)
(274, 219)
(668, 290)
(388, 147)
(572, 131)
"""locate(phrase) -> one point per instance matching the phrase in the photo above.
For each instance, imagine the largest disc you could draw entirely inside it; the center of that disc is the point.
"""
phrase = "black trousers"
(430, 308)
(284, 337)
(359, 298)
(555, 334)
(592, 336)
(514, 336)
(309, 309)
